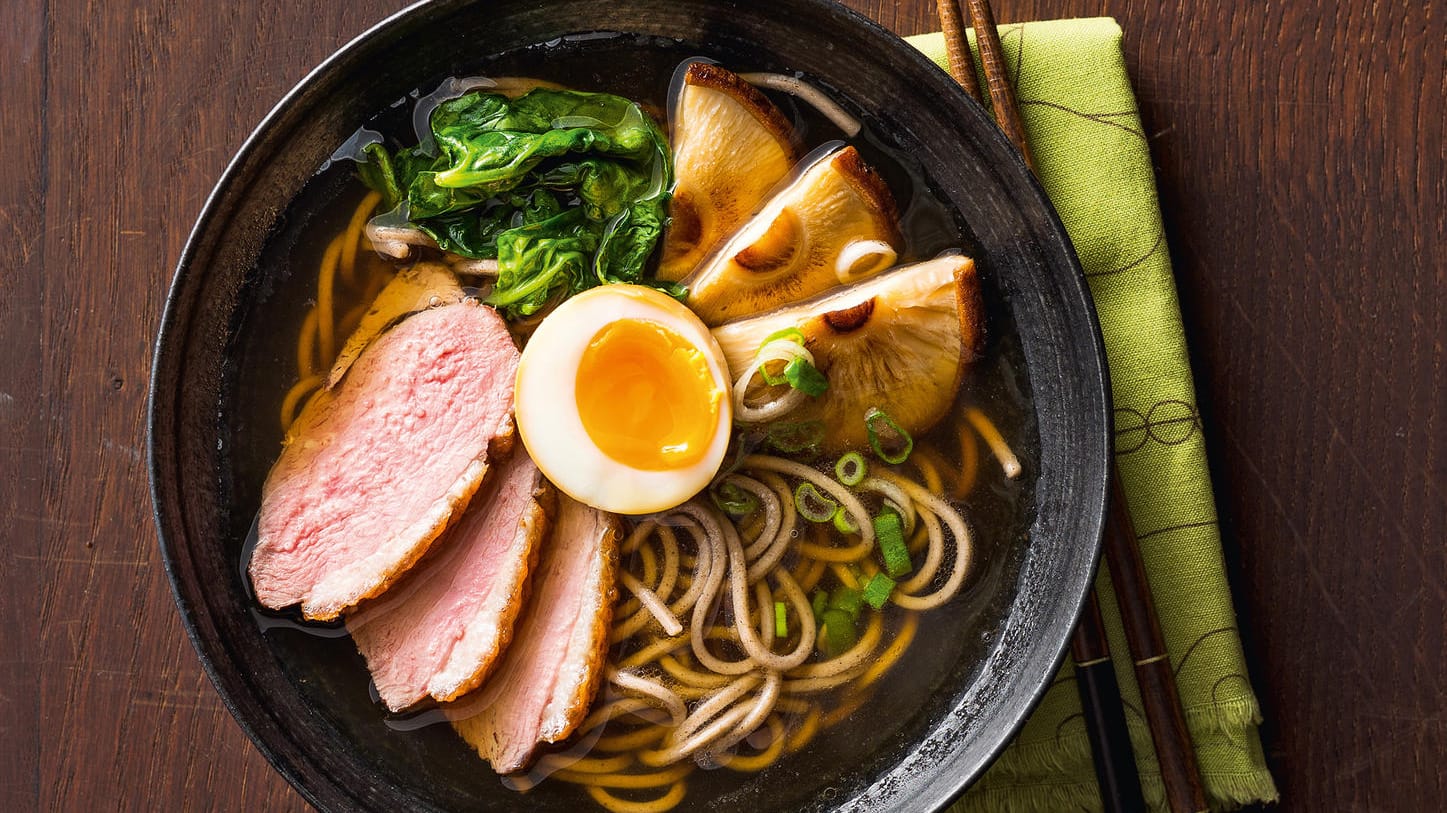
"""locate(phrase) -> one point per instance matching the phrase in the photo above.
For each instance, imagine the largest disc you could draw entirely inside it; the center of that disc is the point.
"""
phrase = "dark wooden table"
(1300, 160)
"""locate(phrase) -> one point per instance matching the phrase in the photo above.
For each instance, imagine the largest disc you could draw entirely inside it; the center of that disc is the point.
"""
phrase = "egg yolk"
(646, 397)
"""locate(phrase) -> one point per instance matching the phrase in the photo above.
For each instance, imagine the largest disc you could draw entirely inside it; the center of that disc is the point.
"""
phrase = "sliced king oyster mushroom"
(899, 341)
(417, 287)
(799, 244)
(730, 147)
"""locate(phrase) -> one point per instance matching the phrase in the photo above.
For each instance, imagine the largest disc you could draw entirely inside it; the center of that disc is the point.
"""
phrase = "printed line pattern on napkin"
(1093, 159)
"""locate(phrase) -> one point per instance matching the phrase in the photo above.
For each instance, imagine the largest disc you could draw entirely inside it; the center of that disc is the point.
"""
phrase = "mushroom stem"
(470, 267)
(396, 241)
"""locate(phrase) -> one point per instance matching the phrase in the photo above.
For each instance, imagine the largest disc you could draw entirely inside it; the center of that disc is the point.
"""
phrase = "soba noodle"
(751, 698)
(698, 674)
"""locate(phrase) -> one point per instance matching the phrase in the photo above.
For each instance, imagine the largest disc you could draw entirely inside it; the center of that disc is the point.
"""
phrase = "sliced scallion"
(819, 603)
(805, 378)
(847, 599)
(878, 590)
(838, 632)
(890, 441)
(813, 505)
(781, 621)
(734, 501)
(851, 469)
(770, 378)
(889, 535)
(796, 436)
(790, 334)
(844, 523)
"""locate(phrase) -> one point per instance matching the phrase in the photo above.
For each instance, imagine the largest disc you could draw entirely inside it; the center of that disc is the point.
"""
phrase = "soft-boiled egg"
(623, 400)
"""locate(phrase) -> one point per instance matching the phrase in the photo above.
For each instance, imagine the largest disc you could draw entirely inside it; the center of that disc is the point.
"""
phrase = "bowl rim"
(1014, 175)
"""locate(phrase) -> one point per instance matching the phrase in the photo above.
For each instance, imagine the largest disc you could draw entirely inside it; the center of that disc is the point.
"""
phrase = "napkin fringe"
(1064, 755)
(1030, 798)
(1068, 754)
(1094, 161)
(1036, 798)
(1229, 791)
(1234, 719)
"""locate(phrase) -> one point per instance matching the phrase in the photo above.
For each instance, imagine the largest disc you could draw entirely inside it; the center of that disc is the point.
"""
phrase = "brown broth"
(414, 749)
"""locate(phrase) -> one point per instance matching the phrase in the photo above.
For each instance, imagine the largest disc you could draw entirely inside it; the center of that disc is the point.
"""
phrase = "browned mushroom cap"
(730, 147)
(805, 240)
(899, 341)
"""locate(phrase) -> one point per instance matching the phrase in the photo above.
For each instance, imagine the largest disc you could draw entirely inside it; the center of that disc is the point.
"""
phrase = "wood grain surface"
(1299, 149)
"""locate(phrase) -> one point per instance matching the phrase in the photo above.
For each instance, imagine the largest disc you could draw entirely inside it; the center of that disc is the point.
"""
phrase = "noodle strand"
(613, 804)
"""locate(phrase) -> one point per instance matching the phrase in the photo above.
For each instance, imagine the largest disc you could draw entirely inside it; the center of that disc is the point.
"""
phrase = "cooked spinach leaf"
(566, 190)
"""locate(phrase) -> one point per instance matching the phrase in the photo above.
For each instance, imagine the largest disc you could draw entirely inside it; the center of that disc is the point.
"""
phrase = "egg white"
(546, 403)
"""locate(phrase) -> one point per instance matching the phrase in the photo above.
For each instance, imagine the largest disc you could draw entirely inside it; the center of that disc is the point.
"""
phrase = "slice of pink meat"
(440, 629)
(372, 475)
(552, 670)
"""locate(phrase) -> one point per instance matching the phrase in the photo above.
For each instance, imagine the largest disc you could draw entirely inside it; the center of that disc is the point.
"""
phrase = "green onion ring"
(872, 422)
(851, 469)
(813, 505)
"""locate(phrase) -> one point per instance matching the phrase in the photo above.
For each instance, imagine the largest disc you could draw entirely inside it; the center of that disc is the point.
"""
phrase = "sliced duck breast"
(553, 668)
(439, 631)
(370, 476)
(417, 287)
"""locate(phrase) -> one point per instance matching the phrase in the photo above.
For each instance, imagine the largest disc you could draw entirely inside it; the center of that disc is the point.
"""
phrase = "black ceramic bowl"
(304, 699)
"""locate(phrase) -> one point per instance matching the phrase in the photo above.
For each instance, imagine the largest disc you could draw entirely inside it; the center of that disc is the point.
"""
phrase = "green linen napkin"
(1093, 160)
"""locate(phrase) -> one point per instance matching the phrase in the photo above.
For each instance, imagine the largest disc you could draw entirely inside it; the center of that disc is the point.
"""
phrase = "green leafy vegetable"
(566, 190)
(377, 173)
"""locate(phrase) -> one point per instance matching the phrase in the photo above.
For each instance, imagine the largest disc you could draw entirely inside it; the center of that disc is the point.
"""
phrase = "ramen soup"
(652, 445)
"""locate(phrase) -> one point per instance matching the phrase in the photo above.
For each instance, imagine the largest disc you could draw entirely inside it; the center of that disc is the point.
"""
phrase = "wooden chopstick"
(957, 48)
(1120, 784)
(1177, 756)
(1100, 702)
(1002, 93)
